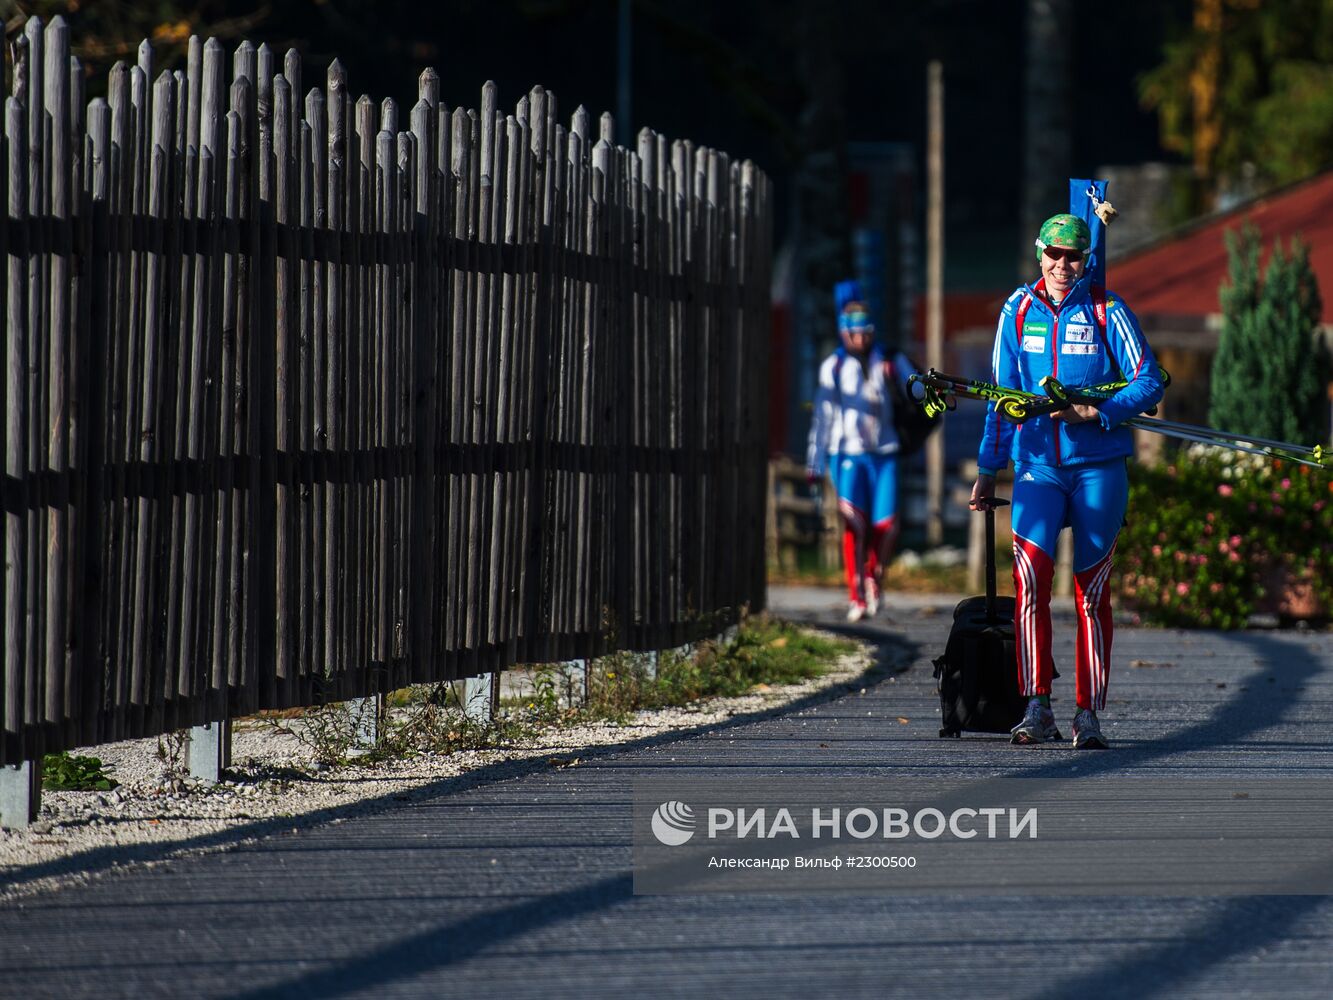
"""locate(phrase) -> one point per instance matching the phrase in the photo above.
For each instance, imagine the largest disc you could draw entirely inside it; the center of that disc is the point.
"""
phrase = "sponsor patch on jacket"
(1079, 348)
(1078, 333)
(1034, 345)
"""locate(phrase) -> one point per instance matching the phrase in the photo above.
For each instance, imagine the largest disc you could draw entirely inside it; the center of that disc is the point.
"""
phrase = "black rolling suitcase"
(977, 677)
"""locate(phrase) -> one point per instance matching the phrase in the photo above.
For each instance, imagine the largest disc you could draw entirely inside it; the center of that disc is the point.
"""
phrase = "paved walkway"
(522, 888)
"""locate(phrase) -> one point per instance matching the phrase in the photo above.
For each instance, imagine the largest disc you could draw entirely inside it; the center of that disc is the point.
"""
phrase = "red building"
(1172, 285)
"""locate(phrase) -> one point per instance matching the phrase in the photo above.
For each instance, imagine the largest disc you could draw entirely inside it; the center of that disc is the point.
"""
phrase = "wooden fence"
(308, 398)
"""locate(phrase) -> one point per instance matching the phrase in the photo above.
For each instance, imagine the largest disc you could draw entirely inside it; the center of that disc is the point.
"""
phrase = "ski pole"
(1313, 457)
(1232, 436)
(1204, 435)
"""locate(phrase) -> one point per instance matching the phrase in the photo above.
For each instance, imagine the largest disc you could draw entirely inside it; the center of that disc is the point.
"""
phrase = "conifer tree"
(1271, 371)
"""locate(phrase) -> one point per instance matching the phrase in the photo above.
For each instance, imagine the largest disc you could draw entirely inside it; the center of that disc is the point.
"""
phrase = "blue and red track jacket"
(1080, 348)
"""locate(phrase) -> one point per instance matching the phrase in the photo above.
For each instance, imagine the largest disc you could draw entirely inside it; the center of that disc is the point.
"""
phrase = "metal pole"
(935, 290)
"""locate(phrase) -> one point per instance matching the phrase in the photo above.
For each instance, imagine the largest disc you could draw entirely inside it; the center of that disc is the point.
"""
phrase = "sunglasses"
(855, 322)
(1063, 253)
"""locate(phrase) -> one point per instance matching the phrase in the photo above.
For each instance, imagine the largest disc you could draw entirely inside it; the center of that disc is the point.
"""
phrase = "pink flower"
(1286, 484)
(1222, 546)
(1182, 589)
(1225, 489)
(1233, 557)
(1181, 557)
(1235, 541)
(1214, 587)
(1157, 550)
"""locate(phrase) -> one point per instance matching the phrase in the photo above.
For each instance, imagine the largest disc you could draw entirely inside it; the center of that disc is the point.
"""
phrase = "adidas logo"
(1027, 477)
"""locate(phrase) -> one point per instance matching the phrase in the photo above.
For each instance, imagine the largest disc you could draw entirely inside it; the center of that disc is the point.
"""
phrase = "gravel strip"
(275, 785)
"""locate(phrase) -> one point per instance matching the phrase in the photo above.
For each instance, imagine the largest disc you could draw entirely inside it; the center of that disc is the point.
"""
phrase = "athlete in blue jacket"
(1069, 468)
(853, 432)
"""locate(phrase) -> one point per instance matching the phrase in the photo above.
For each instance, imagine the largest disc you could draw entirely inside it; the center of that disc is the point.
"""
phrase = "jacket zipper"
(1055, 363)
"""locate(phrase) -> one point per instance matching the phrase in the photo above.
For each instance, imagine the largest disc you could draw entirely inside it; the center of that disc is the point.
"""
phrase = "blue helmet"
(846, 291)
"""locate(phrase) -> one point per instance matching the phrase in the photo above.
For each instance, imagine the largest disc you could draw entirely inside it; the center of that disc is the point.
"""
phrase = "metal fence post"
(479, 697)
(576, 680)
(209, 752)
(367, 721)
(20, 794)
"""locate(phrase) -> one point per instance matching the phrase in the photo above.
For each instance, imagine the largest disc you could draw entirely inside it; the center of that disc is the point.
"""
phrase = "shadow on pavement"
(890, 656)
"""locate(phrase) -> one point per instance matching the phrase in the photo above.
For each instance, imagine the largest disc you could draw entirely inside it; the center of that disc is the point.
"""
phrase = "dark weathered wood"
(285, 369)
(336, 552)
(230, 430)
(164, 482)
(540, 295)
(421, 546)
(457, 526)
(18, 674)
(318, 582)
(381, 394)
(117, 429)
(60, 692)
(569, 582)
(89, 445)
(146, 440)
(403, 361)
(307, 669)
(301, 405)
(261, 583)
(441, 232)
(359, 385)
(37, 703)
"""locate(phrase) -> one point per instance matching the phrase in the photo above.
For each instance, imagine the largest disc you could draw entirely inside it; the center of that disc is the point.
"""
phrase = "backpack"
(910, 420)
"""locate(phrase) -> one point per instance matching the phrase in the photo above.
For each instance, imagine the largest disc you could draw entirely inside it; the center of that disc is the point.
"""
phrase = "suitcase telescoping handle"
(990, 556)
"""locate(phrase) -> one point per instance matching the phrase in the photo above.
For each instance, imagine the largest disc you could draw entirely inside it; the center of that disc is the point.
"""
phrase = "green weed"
(67, 772)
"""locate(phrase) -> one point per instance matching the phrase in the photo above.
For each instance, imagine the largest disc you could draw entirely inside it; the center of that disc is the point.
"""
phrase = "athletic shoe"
(872, 597)
(1038, 725)
(856, 611)
(1088, 731)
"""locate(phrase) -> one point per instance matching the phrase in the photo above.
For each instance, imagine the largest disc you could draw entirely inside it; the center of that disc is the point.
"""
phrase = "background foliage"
(1213, 537)
(1249, 87)
(1271, 371)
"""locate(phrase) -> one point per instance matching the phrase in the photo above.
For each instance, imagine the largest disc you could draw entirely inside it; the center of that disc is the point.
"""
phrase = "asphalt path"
(523, 887)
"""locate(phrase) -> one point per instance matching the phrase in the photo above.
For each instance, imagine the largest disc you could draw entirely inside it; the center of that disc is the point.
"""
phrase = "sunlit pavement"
(523, 887)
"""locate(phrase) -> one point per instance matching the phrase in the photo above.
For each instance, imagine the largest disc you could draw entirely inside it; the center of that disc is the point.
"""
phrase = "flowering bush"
(1211, 536)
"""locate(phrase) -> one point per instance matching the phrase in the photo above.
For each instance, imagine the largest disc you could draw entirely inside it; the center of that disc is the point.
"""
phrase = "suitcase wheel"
(947, 733)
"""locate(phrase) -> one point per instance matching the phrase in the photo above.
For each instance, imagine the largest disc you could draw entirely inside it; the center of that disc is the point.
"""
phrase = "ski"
(1015, 405)
(1019, 406)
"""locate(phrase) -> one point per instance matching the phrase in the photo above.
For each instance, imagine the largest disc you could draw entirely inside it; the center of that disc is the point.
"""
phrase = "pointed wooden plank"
(19, 668)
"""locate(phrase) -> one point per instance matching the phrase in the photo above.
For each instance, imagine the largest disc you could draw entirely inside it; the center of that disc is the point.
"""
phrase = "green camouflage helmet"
(1064, 230)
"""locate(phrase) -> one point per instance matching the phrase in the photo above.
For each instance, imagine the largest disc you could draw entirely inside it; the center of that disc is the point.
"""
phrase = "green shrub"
(1208, 532)
(765, 651)
(1271, 371)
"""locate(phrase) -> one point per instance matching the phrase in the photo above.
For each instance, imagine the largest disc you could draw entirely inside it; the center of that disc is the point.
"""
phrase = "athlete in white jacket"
(852, 434)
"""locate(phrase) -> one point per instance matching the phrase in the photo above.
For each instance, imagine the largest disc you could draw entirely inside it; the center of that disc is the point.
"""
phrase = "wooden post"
(935, 289)
(18, 671)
